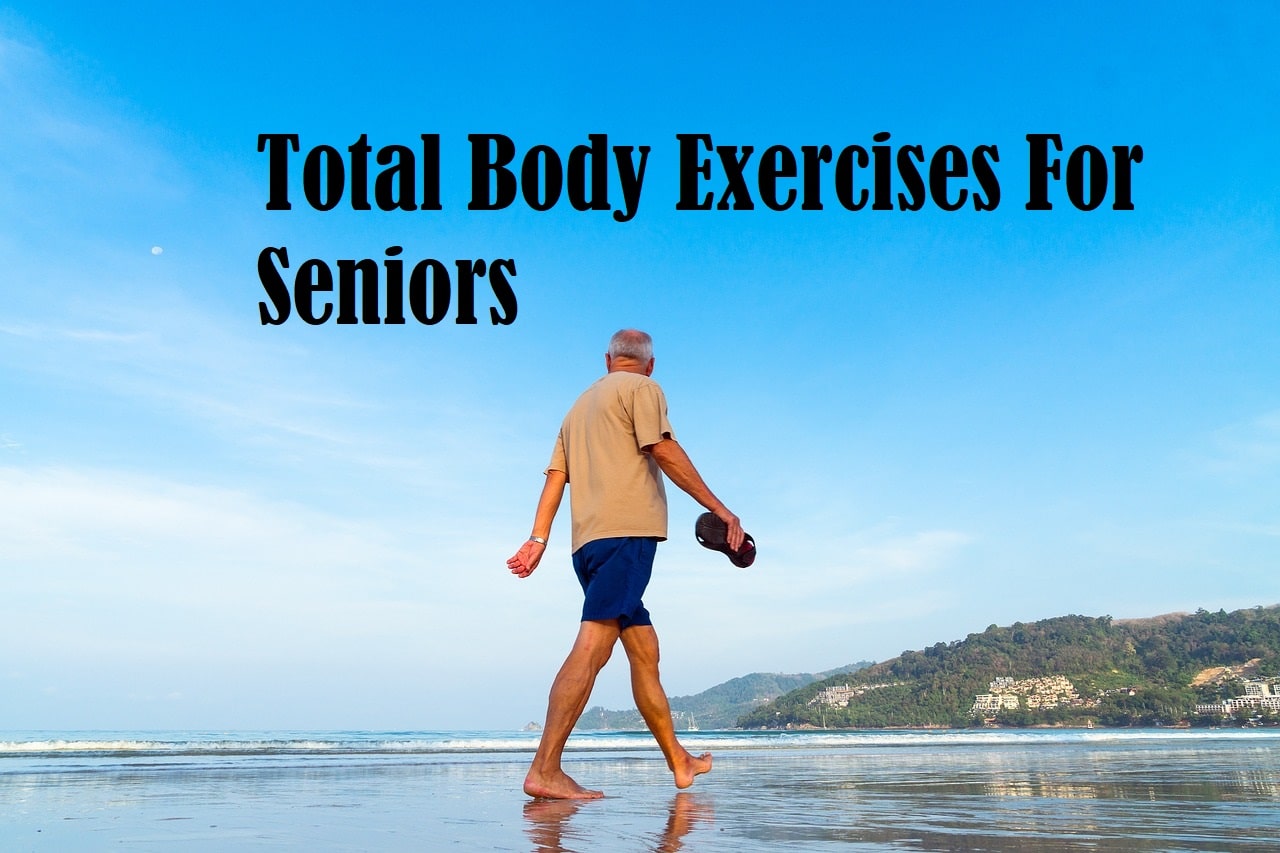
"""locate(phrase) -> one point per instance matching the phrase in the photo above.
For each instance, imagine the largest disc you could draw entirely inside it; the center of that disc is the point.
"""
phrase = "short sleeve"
(649, 415)
(558, 460)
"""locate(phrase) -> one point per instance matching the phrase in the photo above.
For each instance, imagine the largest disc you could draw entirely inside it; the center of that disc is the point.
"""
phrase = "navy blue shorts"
(614, 574)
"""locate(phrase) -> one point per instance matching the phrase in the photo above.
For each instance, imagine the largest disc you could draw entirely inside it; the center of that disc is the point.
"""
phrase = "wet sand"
(1060, 797)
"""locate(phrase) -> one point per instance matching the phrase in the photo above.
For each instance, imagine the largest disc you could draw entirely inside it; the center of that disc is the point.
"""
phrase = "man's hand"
(524, 561)
(734, 534)
(677, 465)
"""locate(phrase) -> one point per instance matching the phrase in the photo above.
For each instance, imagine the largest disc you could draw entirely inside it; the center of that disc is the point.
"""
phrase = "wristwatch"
(539, 540)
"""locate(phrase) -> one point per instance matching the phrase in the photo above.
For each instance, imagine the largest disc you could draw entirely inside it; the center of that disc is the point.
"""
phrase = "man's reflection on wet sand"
(550, 828)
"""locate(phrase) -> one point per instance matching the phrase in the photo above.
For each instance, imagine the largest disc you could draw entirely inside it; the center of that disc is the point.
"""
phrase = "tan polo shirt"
(615, 488)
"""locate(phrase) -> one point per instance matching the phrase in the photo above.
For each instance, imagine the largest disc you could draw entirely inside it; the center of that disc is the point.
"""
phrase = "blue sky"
(930, 421)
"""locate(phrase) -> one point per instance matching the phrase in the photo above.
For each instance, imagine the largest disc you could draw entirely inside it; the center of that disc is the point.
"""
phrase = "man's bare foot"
(557, 786)
(689, 766)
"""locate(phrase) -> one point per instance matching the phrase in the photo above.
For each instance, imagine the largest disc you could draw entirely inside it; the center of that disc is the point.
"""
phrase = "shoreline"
(931, 790)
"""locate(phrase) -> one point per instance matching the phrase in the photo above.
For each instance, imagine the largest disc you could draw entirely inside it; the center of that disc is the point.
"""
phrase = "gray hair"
(631, 343)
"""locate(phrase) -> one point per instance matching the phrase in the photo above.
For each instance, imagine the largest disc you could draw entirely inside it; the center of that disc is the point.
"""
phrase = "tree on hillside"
(1154, 661)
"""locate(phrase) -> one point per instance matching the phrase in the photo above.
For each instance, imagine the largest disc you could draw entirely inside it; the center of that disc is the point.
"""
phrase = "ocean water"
(995, 790)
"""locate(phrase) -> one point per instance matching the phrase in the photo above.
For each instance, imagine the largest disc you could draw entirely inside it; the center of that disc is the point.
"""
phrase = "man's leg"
(641, 645)
(569, 694)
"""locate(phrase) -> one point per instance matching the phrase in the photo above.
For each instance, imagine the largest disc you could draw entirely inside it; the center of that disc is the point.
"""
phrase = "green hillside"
(716, 708)
(1133, 672)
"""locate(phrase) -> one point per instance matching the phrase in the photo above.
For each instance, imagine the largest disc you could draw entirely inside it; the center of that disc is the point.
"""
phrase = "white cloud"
(882, 553)
(1245, 448)
(1236, 451)
(99, 558)
(271, 399)
(79, 522)
(903, 555)
(113, 578)
(71, 139)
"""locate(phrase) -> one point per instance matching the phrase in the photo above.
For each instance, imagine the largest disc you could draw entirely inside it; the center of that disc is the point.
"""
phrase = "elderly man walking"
(613, 448)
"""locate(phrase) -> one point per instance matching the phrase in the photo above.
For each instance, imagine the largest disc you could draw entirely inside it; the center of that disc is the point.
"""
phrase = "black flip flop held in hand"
(713, 533)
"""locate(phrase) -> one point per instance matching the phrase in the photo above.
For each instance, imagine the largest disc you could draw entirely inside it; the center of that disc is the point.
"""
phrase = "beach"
(1126, 790)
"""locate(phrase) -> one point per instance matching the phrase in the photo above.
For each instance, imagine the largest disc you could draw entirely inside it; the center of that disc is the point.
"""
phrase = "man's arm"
(530, 554)
(678, 467)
